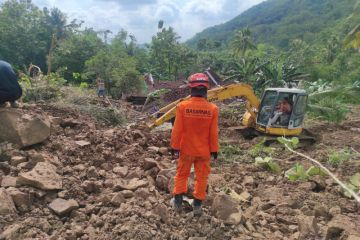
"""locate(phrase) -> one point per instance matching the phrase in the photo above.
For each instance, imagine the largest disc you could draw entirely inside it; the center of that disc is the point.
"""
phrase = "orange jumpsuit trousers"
(195, 134)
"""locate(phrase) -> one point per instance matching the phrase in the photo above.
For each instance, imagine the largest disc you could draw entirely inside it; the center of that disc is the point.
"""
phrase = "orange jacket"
(195, 131)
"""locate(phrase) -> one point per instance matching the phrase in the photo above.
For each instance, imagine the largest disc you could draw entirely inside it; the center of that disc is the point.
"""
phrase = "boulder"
(164, 178)
(117, 199)
(15, 160)
(162, 211)
(308, 227)
(342, 225)
(163, 150)
(8, 181)
(132, 184)
(61, 206)
(82, 143)
(153, 149)
(6, 203)
(142, 193)
(127, 193)
(121, 171)
(5, 168)
(91, 186)
(226, 208)
(11, 232)
(22, 129)
(336, 210)
(42, 176)
(149, 163)
(22, 200)
(162, 182)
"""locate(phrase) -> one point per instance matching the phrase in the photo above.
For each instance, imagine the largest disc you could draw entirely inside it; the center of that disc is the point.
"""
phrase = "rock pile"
(91, 182)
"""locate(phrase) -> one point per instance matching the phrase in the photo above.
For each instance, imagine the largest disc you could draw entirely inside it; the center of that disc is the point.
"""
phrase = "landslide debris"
(90, 181)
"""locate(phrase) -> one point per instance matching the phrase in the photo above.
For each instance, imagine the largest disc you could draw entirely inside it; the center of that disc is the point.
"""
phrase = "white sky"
(140, 17)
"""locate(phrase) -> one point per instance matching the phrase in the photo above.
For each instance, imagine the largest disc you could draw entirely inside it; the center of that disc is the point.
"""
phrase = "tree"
(242, 42)
(331, 48)
(72, 53)
(117, 67)
(277, 73)
(23, 34)
(163, 49)
(243, 70)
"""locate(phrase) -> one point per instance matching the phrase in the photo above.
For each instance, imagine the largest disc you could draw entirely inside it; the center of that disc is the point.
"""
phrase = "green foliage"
(117, 66)
(355, 180)
(336, 158)
(230, 153)
(26, 32)
(329, 109)
(84, 85)
(44, 88)
(292, 143)
(298, 172)
(268, 164)
(74, 51)
(80, 99)
(278, 22)
(168, 57)
(260, 149)
(353, 184)
(242, 42)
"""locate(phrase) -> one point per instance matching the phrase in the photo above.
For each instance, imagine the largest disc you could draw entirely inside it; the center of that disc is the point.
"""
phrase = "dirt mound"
(115, 184)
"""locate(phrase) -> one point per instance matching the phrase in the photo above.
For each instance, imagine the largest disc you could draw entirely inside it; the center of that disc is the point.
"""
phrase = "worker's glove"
(214, 155)
(175, 153)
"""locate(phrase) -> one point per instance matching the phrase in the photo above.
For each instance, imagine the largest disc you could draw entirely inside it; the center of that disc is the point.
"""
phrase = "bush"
(81, 100)
(330, 109)
(336, 158)
(44, 88)
(126, 82)
(84, 85)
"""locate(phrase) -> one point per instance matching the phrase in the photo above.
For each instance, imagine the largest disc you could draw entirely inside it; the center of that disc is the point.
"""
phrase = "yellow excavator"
(255, 120)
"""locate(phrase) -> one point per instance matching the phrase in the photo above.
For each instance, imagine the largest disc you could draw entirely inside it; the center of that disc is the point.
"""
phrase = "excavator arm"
(217, 94)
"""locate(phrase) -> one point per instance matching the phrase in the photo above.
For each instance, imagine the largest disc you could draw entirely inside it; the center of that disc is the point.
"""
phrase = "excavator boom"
(217, 94)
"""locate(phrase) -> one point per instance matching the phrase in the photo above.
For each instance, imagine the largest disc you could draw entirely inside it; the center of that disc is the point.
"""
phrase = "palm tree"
(242, 41)
(329, 102)
(331, 47)
(243, 71)
(276, 74)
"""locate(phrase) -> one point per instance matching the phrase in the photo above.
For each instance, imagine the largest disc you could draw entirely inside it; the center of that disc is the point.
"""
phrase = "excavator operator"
(283, 109)
(195, 139)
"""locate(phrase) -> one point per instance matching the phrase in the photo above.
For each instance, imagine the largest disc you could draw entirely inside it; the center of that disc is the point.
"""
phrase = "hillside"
(275, 22)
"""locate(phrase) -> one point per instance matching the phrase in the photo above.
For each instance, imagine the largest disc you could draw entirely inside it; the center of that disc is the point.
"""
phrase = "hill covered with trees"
(277, 22)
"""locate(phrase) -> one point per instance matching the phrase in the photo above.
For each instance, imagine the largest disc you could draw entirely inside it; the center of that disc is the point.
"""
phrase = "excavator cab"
(272, 118)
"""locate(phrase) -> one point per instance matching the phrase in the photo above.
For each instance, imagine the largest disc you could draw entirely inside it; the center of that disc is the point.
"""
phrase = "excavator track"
(306, 138)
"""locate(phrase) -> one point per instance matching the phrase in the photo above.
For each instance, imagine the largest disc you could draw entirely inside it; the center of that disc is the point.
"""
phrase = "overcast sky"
(140, 17)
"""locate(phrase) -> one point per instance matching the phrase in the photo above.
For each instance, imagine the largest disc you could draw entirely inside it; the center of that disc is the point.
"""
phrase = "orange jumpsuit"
(195, 134)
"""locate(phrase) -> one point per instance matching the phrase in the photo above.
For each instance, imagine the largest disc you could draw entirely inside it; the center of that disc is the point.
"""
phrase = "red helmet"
(199, 79)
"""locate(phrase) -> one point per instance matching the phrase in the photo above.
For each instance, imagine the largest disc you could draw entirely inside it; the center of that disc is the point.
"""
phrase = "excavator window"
(266, 107)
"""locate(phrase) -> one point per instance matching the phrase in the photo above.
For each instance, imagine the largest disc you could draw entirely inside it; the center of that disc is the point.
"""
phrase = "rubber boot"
(177, 203)
(197, 209)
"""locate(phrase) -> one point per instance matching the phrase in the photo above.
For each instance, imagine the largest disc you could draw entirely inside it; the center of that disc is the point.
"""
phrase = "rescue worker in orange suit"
(195, 139)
